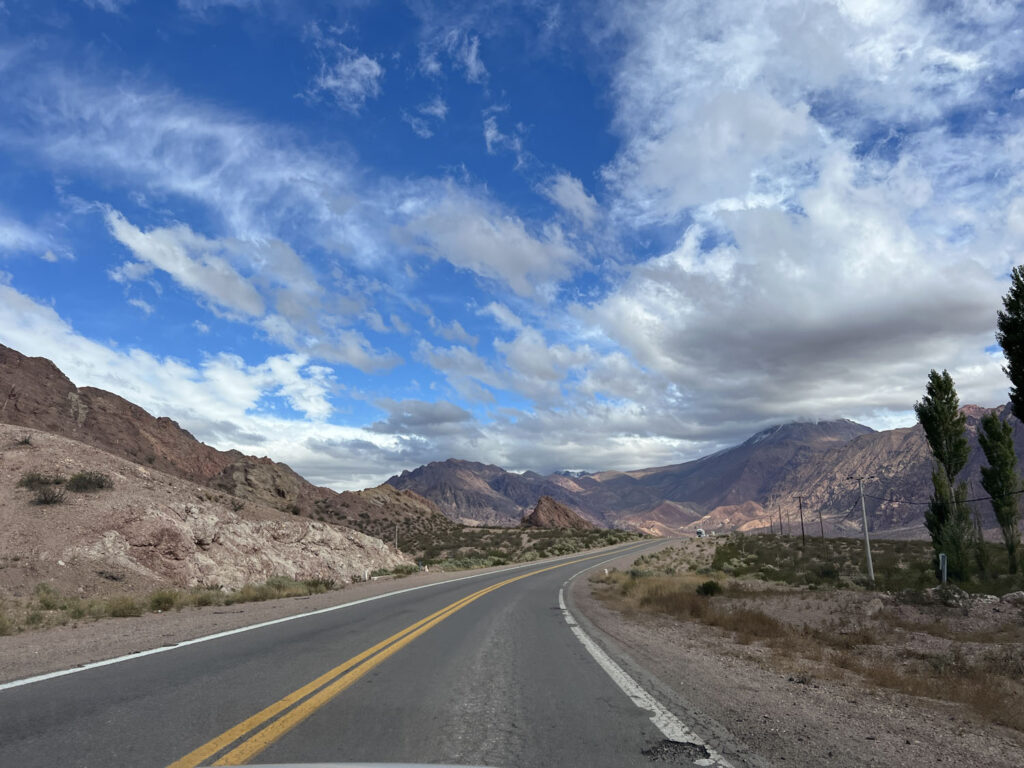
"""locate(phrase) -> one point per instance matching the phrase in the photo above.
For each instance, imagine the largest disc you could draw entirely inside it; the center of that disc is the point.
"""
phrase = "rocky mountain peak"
(552, 514)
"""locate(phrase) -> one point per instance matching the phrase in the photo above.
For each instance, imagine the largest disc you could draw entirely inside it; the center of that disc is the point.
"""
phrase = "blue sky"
(359, 237)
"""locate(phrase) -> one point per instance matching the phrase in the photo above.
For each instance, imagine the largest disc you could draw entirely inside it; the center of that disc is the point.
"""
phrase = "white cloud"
(474, 234)
(142, 304)
(400, 325)
(837, 310)
(201, 326)
(110, 6)
(465, 50)
(495, 140)
(205, 266)
(435, 108)
(417, 417)
(419, 126)
(18, 237)
(350, 78)
(195, 262)
(452, 331)
(506, 318)
(224, 401)
(255, 178)
(567, 192)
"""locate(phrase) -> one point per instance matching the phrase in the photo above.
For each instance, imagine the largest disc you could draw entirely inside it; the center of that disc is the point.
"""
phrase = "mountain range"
(752, 486)
(746, 487)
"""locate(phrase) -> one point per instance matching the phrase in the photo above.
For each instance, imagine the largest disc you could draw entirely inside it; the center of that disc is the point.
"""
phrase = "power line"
(926, 503)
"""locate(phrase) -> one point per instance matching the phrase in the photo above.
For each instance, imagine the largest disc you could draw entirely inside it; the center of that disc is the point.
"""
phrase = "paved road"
(484, 671)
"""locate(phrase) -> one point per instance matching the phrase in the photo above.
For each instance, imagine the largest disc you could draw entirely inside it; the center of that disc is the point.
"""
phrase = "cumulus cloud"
(473, 234)
(567, 192)
(18, 237)
(418, 417)
(206, 267)
(193, 261)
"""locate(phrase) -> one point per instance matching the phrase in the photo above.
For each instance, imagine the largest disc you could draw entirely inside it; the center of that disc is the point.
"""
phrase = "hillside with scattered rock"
(35, 393)
(149, 529)
(549, 513)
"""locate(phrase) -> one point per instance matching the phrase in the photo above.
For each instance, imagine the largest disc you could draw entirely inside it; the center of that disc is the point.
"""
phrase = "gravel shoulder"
(764, 710)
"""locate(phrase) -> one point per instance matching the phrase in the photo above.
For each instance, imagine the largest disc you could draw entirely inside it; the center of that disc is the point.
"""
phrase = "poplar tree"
(948, 517)
(1010, 335)
(1001, 481)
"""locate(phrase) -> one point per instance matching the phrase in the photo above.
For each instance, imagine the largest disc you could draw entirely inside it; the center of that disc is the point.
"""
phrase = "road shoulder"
(745, 706)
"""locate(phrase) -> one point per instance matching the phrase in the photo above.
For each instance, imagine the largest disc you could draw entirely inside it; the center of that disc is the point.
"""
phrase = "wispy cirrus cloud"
(345, 75)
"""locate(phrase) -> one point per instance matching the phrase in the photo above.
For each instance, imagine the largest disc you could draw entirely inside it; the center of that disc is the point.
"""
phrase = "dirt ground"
(792, 708)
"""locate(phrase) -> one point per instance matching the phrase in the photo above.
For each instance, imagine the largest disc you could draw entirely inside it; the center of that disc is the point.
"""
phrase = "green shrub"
(709, 588)
(123, 607)
(48, 598)
(26, 440)
(163, 600)
(316, 586)
(47, 494)
(36, 480)
(6, 626)
(89, 481)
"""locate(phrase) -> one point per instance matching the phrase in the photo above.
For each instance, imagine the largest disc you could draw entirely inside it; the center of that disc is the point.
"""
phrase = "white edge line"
(239, 630)
(671, 726)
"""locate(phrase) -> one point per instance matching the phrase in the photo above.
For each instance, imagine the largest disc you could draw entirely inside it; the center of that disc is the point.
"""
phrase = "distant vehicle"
(700, 533)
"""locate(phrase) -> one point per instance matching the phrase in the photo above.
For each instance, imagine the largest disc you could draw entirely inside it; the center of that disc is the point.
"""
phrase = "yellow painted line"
(343, 676)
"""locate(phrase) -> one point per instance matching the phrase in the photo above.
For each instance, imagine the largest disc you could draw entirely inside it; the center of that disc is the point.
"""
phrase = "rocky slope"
(35, 393)
(551, 514)
(152, 529)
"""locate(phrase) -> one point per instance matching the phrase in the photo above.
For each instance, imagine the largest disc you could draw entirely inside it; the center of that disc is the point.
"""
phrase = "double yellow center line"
(262, 729)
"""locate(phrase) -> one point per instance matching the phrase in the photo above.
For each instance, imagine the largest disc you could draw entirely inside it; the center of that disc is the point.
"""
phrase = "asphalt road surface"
(481, 671)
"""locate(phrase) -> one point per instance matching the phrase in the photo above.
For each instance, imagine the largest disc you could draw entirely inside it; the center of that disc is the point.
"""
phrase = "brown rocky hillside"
(551, 514)
(152, 530)
(35, 393)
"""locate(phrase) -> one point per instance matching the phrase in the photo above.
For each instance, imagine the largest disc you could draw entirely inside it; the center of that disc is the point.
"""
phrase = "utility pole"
(821, 523)
(803, 535)
(396, 535)
(782, 528)
(864, 516)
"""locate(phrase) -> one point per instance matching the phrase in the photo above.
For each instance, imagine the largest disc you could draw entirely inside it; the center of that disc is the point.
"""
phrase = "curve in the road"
(303, 702)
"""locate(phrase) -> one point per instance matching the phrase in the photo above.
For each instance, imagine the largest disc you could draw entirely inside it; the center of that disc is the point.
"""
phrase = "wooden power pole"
(803, 534)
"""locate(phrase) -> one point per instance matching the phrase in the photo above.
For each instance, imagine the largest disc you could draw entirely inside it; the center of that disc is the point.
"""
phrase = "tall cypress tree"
(948, 517)
(1010, 322)
(1001, 481)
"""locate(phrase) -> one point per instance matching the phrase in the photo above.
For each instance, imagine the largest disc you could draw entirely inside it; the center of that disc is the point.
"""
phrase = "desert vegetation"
(808, 614)
(52, 488)
(49, 608)
(481, 547)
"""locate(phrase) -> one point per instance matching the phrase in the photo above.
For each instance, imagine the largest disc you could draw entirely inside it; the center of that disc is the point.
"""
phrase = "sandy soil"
(782, 712)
